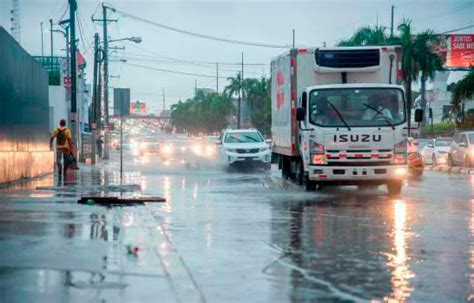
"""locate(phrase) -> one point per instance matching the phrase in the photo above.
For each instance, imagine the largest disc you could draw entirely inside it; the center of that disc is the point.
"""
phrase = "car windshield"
(244, 137)
(471, 138)
(361, 107)
(444, 143)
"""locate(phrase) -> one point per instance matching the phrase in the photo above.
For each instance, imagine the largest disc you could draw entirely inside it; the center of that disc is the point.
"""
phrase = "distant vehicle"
(461, 151)
(339, 116)
(245, 146)
(436, 151)
(422, 143)
(192, 153)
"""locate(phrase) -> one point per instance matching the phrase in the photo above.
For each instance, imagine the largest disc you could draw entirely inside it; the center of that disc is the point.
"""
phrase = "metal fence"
(24, 111)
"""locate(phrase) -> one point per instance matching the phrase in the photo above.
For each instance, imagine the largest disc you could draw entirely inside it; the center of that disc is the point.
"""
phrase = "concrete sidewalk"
(54, 250)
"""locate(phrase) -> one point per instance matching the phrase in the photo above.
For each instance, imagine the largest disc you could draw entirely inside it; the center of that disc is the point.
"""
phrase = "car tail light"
(400, 152)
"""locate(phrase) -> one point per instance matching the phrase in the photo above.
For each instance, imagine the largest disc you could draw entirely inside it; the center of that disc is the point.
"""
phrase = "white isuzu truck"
(339, 116)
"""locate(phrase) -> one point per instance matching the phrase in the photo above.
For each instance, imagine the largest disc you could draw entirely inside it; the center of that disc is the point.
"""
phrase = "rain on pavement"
(240, 236)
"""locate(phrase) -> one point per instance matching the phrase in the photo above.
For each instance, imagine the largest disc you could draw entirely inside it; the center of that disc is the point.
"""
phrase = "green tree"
(426, 60)
(204, 113)
(463, 90)
(366, 36)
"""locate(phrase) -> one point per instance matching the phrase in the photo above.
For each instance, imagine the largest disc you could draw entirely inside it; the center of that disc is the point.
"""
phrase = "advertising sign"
(138, 108)
(459, 50)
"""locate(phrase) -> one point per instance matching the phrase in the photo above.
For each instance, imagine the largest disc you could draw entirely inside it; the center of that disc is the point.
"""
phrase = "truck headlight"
(400, 152)
(317, 153)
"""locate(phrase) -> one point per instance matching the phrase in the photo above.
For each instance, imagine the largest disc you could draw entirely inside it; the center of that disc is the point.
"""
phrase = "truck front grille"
(358, 163)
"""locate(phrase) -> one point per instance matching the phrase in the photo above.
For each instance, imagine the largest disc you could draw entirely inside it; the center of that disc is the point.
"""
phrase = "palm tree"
(463, 90)
(367, 35)
(235, 85)
(410, 69)
(427, 61)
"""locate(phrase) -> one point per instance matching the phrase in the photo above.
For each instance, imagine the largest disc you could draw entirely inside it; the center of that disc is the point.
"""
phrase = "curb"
(451, 169)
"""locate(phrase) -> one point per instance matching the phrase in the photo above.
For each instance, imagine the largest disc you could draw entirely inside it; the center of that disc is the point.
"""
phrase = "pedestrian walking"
(64, 146)
(100, 144)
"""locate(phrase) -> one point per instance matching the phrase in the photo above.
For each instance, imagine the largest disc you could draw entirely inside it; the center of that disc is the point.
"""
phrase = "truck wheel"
(299, 173)
(309, 185)
(394, 188)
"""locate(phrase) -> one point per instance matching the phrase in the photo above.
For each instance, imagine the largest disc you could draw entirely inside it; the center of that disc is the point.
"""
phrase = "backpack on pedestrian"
(61, 137)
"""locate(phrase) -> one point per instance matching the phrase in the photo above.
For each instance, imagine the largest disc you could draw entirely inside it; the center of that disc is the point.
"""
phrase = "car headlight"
(263, 149)
(230, 150)
(197, 149)
(167, 149)
(210, 150)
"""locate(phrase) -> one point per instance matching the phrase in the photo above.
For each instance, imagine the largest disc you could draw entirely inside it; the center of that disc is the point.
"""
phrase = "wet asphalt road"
(236, 237)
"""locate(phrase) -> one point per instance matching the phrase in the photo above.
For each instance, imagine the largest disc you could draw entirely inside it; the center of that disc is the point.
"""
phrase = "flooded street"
(235, 237)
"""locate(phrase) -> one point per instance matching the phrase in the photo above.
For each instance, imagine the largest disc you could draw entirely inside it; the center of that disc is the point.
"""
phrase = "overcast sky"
(270, 22)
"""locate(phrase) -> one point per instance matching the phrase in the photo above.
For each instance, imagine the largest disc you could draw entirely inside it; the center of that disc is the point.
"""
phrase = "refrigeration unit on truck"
(339, 116)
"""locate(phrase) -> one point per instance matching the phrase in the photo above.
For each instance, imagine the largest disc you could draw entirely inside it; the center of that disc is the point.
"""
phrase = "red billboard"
(460, 50)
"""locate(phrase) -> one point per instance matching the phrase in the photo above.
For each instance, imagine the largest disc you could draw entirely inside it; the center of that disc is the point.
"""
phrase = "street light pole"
(42, 39)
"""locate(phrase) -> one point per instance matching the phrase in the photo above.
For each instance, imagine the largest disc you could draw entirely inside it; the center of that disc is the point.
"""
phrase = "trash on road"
(117, 201)
(133, 250)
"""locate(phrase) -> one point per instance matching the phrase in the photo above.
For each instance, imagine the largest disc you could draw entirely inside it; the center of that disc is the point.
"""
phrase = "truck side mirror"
(418, 115)
(304, 100)
(300, 114)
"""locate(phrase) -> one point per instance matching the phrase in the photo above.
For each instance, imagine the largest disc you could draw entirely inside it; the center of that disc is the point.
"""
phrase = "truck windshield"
(358, 107)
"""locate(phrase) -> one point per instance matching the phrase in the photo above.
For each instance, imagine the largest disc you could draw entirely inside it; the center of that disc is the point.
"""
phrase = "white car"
(436, 151)
(462, 150)
(245, 146)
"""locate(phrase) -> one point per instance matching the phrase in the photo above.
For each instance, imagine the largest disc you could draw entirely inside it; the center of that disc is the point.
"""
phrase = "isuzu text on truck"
(339, 116)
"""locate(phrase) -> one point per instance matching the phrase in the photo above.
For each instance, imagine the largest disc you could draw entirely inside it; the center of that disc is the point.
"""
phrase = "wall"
(57, 100)
(24, 113)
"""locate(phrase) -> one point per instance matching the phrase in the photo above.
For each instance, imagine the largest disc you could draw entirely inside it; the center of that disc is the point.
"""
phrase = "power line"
(457, 29)
(158, 55)
(199, 35)
(173, 71)
(444, 13)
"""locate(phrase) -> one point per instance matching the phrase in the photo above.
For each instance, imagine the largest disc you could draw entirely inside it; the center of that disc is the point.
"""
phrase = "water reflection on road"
(251, 236)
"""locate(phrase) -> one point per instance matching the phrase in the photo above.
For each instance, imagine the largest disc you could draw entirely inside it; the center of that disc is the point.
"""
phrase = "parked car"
(461, 151)
(436, 151)
(245, 146)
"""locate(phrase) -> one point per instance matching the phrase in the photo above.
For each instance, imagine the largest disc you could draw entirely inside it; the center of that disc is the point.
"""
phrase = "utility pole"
(94, 99)
(106, 82)
(293, 38)
(51, 38)
(42, 39)
(391, 22)
(217, 77)
(72, 31)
